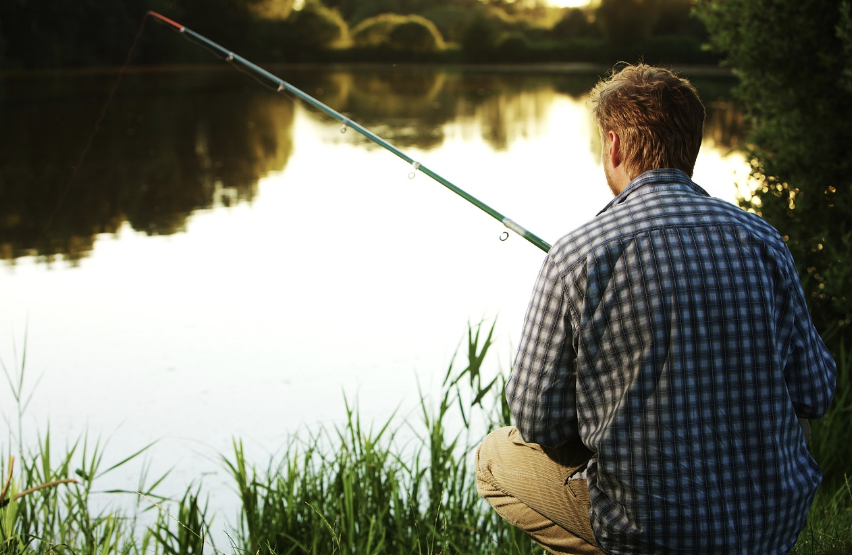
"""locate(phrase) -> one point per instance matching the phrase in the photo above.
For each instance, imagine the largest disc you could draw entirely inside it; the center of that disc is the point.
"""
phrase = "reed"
(358, 489)
(388, 488)
(46, 506)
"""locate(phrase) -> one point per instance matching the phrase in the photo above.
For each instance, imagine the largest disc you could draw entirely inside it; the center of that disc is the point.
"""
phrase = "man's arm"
(541, 390)
(810, 370)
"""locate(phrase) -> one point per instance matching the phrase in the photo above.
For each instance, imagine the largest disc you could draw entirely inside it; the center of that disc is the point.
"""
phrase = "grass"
(829, 529)
(360, 489)
(389, 488)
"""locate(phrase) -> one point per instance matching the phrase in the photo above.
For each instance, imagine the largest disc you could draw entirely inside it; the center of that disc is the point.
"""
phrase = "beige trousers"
(530, 486)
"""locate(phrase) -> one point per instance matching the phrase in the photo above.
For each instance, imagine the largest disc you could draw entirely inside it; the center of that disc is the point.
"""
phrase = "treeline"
(81, 33)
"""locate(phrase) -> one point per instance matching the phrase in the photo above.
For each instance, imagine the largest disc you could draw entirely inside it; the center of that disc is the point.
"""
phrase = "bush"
(450, 20)
(513, 47)
(625, 21)
(575, 23)
(479, 38)
(316, 27)
(795, 81)
(400, 33)
(416, 35)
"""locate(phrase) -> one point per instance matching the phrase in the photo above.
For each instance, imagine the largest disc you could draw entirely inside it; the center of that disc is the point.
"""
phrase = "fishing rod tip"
(166, 20)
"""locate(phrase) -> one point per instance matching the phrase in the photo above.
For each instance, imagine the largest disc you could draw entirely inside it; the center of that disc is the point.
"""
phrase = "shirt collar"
(655, 181)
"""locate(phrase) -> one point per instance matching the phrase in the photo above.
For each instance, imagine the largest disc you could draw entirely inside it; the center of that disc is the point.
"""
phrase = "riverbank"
(563, 68)
(356, 488)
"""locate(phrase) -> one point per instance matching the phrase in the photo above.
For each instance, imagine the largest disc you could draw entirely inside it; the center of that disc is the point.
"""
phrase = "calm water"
(226, 263)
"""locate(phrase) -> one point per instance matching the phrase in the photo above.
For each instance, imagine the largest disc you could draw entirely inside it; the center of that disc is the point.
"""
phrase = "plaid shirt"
(672, 334)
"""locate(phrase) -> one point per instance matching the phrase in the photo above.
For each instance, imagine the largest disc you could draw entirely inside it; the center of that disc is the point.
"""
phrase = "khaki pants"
(529, 486)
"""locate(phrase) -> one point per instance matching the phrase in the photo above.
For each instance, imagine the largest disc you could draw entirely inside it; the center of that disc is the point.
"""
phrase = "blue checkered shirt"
(671, 334)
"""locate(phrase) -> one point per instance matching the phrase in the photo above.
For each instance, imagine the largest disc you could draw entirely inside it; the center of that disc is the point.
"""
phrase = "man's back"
(667, 356)
(677, 331)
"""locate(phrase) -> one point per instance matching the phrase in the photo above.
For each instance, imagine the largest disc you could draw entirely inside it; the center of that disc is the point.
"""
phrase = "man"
(667, 356)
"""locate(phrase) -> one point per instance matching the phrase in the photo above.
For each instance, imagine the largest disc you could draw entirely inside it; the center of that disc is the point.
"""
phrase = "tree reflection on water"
(177, 141)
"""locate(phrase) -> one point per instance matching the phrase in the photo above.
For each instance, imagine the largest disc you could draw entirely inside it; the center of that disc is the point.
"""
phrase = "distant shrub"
(316, 27)
(625, 21)
(480, 38)
(675, 49)
(270, 9)
(357, 11)
(401, 33)
(514, 46)
(373, 31)
(416, 35)
(575, 23)
(450, 20)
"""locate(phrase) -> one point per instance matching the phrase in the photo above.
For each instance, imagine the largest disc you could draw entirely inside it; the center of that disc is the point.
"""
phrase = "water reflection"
(179, 141)
(171, 143)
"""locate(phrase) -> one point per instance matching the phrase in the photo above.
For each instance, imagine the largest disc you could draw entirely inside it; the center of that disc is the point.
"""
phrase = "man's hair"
(657, 115)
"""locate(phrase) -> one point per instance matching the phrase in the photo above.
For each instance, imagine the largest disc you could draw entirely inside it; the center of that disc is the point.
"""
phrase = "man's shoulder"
(657, 210)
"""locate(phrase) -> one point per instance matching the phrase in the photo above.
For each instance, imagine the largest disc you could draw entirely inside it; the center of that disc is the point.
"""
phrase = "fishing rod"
(279, 85)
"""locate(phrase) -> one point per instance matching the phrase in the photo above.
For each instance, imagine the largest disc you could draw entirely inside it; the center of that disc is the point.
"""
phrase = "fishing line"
(61, 200)
(279, 85)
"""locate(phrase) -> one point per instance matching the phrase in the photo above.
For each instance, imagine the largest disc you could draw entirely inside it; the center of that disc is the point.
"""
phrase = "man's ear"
(614, 150)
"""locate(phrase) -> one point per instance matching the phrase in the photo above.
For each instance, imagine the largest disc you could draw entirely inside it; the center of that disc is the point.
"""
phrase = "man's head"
(656, 116)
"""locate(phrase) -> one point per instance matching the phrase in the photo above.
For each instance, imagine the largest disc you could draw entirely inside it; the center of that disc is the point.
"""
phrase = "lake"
(226, 263)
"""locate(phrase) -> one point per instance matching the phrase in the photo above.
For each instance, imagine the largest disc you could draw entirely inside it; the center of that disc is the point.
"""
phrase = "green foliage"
(794, 70)
(46, 506)
(626, 21)
(400, 33)
(316, 27)
(665, 50)
(450, 20)
(575, 23)
(270, 9)
(373, 32)
(677, 17)
(354, 490)
(480, 38)
(361, 491)
(514, 46)
(186, 533)
(844, 33)
(829, 529)
(67, 33)
(367, 10)
(417, 34)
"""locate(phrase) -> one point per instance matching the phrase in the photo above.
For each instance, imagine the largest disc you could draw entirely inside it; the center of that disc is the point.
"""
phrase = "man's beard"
(610, 181)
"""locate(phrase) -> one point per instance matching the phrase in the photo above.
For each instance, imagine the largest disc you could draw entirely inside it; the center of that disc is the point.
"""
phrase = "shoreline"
(575, 68)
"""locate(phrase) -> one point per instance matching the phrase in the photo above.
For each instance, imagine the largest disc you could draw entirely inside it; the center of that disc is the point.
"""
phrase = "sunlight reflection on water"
(342, 276)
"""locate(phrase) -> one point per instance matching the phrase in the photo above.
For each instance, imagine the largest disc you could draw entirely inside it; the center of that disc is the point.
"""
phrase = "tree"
(626, 21)
(416, 34)
(402, 33)
(794, 63)
(316, 27)
(574, 23)
(270, 9)
(676, 17)
(480, 38)
(513, 46)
